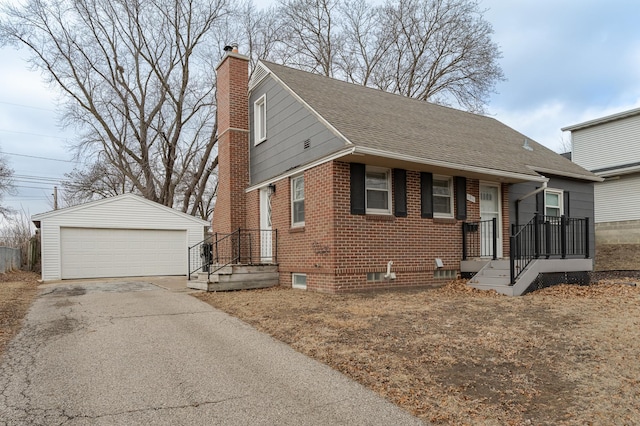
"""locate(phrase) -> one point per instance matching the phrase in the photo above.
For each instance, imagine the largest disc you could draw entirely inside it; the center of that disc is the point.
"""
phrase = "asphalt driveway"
(130, 352)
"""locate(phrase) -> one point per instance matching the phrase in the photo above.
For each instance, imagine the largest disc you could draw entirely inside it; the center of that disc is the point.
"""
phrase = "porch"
(243, 259)
(545, 251)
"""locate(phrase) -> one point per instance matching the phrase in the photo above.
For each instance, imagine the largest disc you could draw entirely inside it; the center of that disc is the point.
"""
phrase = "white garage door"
(97, 253)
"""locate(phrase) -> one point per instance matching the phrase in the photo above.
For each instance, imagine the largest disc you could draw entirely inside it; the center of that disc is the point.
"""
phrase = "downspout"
(534, 192)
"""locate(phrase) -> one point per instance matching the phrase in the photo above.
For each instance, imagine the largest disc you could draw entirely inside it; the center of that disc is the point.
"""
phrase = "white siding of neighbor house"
(122, 212)
(608, 144)
(617, 199)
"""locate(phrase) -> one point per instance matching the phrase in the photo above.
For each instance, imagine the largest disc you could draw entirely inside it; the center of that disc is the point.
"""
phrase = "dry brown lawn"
(17, 291)
(453, 355)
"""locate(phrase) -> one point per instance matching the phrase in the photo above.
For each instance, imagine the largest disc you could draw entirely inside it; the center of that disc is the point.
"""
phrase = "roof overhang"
(592, 178)
(618, 171)
(602, 120)
(394, 160)
(387, 159)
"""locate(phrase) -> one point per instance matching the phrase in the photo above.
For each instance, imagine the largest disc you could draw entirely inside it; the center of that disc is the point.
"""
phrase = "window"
(375, 276)
(299, 281)
(260, 119)
(445, 274)
(553, 202)
(297, 201)
(378, 195)
(442, 196)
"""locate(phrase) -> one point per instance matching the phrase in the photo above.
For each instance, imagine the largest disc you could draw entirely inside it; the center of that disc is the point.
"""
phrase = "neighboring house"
(610, 148)
(353, 188)
(121, 236)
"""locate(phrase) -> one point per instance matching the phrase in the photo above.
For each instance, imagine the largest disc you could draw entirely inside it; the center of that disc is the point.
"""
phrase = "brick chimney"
(233, 141)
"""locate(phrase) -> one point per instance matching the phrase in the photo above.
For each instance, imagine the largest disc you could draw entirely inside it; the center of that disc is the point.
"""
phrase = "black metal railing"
(548, 237)
(243, 246)
(480, 239)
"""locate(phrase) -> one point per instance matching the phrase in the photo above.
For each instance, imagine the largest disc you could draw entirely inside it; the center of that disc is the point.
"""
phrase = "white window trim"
(560, 194)
(451, 197)
(298, 286)
(260, 118)
(387, 172)
(293, 192)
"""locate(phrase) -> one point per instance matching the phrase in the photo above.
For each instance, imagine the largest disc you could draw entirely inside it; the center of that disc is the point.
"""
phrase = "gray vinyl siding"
(611, 144)
(581, 200)
(289, 125)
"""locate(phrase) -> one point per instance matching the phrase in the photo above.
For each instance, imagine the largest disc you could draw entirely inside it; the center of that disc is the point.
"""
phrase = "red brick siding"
(336, 249)
(233, 125)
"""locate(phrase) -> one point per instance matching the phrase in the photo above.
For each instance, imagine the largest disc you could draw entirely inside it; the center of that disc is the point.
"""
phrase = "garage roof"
(184, 216)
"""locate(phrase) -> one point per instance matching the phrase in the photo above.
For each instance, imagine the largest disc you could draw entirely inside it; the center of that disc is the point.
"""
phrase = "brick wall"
(337, 249)
(233, 139)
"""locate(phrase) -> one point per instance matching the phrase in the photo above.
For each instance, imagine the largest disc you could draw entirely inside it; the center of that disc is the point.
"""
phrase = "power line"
(27, 106)
(40, 158)
(33, 187)
(31, 134)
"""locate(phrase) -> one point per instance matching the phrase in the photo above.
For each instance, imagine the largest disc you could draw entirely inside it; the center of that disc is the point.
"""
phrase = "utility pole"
(55, 198)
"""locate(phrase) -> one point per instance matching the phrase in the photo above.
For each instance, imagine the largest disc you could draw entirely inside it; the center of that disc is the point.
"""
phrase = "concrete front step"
(489, 281)
(236, 277)
(505, 273)
(499, 264)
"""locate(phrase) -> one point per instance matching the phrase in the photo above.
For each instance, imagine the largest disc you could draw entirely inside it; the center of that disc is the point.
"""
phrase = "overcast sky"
(566, 61)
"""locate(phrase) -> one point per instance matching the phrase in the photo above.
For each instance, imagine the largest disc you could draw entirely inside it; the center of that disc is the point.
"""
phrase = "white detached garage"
(121, 236)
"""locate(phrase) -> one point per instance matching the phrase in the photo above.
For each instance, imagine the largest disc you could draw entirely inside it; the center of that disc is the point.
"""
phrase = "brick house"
(348, 188)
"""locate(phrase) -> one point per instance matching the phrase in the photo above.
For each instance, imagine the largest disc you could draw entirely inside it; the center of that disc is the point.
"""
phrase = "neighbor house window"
(299, 281)
(553, 202)
(260, 119)
(297, 201)
(378, 194)
(442, 196)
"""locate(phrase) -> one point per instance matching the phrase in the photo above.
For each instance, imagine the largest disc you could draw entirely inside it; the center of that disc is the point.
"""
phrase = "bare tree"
(565, 145)
(17, 229)
(138, 78)
(311, 34)
(6, 185)
(433, 50)
(365, 41)
(442, 52)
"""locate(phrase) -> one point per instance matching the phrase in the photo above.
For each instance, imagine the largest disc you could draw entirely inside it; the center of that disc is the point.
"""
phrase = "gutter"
(530, 194)
(448, 165)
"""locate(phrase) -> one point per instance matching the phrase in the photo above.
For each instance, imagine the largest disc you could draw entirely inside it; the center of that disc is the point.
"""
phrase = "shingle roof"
(392, 123)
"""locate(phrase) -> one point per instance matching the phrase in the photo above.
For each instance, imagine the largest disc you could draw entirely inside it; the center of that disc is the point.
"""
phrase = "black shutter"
(461, 197)
(567, 204)
(540, 202)
(357, 188)
(400, 192)
(426, 195)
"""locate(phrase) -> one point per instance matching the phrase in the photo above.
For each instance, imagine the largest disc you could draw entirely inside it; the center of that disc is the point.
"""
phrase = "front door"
(266, 239)
(489, 209)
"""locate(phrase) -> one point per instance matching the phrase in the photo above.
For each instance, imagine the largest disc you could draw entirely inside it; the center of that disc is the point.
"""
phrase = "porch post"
(239, 247)
(563, 236)
(512, 261)
(536, 235)
(464, 241)
(586, 238)
(495, 238)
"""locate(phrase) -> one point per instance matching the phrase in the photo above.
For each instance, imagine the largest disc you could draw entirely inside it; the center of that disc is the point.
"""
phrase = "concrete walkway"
(130, 352)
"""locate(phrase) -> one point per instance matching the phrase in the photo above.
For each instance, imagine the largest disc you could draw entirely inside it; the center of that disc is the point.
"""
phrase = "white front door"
(489, 209)
(266, 238)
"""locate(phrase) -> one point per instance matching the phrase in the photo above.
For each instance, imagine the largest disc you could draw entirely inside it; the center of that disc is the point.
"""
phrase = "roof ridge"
(385, 92)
